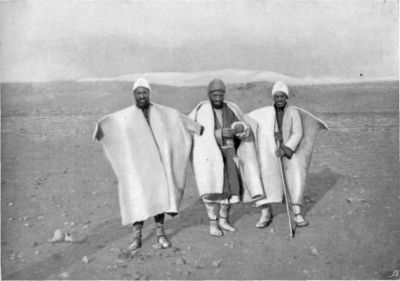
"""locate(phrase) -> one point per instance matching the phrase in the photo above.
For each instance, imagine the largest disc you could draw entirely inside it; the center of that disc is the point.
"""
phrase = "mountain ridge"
(230, 76)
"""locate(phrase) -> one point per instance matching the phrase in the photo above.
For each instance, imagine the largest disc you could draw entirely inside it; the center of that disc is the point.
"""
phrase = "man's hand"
(284, 151)
(279, 152)
(288, 151)
(228, 132)
(278, 137)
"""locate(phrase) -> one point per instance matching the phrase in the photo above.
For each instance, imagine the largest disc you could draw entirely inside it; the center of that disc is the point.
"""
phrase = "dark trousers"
(232, 185)
(159, 219)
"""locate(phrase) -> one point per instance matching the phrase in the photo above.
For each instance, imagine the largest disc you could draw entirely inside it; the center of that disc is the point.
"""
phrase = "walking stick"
(288, 201)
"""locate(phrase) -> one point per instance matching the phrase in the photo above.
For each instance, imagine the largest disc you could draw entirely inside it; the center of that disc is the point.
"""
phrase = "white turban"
(141, 82)
(279, 86)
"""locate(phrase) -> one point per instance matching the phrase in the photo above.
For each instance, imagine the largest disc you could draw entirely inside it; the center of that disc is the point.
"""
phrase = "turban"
(216, 85)
(279, 86)
(141, 82)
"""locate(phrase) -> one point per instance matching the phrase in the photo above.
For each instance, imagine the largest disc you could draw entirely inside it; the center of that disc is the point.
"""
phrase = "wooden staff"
(288, 201)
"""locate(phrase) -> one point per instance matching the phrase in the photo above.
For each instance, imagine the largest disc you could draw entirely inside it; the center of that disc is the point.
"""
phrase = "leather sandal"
(300, 221)
(136, 244)
(264, 222)
(164, 242)
(162, 238)
(224, 224)
(214, 229)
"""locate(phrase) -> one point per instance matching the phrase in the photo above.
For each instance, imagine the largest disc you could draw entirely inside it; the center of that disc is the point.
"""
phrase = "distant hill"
(230, 76)
(102, 97)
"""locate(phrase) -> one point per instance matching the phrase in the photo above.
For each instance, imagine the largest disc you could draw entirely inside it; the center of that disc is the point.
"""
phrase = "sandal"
(214, 228)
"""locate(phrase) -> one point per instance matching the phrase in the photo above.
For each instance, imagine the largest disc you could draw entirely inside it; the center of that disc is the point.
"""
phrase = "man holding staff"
(284, 139)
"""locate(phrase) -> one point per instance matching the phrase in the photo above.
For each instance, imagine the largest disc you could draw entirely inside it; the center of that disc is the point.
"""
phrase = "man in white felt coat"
(286, 132)
(148, 146)
(224, 158)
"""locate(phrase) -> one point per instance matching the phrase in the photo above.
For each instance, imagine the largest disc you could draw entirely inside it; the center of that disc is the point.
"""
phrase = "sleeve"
(288, 152)
(297, 131)
(192, 126)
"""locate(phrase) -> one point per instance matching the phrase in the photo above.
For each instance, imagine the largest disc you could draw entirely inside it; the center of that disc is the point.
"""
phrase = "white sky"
(48, 40)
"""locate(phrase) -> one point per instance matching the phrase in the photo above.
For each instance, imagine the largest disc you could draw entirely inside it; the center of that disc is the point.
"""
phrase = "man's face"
(142, 97)
(280, 99)
(217, 99)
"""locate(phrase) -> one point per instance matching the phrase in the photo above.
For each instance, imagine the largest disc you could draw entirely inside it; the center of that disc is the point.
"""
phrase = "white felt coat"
(208, 163)
(299, 139)
(150, 163)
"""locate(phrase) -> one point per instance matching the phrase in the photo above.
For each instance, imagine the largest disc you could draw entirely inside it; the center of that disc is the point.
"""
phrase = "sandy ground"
(53, 177)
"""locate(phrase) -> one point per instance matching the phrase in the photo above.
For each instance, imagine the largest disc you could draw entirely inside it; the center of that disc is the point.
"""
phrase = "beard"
(280, 105)
(143, 104)
(217, 105)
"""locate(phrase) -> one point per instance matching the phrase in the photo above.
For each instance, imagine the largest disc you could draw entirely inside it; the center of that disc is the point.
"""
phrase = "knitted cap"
(216, 85)
(141, 82)
(279, 86)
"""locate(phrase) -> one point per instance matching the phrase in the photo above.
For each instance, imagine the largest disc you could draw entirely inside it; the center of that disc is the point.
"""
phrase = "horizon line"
(269, 76)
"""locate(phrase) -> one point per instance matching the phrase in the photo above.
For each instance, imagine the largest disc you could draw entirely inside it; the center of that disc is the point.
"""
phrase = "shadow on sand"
(111, 230)
(317, 186)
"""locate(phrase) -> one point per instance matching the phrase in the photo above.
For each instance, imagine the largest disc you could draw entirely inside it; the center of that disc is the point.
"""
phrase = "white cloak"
(150, 163)
(208, 164)
(296, 168)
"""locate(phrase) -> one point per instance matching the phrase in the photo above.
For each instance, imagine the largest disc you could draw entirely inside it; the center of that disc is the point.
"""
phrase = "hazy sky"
(48, 40)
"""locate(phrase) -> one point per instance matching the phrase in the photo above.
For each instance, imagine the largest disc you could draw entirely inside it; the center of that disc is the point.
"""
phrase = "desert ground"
(54, 177)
